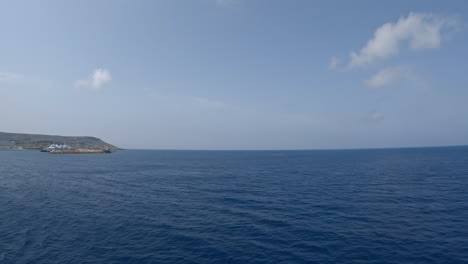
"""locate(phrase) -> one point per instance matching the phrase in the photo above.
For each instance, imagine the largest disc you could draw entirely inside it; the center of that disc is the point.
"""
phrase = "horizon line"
(324, 149)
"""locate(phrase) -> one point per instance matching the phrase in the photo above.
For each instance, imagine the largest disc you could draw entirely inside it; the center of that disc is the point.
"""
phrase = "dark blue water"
(355, 206)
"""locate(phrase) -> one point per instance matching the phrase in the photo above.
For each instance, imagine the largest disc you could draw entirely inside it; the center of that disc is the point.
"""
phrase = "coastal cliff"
(32, 141)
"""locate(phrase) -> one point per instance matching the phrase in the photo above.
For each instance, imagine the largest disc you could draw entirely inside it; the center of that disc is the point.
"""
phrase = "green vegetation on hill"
(31, 141)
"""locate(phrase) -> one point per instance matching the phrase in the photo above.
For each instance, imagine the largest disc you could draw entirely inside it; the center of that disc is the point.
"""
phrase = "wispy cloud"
(376, 116)
(98, 79)
(226, 2)
(208, 102)
(8, 77)
(334, 62)
(390, 76)
(185, 100)
(421, 31)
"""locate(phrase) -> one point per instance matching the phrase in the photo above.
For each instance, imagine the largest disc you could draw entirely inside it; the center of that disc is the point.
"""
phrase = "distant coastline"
(41, 142)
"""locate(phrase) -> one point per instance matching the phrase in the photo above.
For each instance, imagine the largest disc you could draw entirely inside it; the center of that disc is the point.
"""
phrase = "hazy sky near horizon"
(237, 74)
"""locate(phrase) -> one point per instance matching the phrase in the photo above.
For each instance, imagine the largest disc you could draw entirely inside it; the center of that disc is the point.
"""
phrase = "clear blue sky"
(237, 74)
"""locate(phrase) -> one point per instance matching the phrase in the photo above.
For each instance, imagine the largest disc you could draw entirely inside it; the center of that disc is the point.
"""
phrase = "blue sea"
(148, 206)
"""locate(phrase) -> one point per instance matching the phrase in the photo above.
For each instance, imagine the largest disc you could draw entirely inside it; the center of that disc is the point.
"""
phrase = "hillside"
(31, 141)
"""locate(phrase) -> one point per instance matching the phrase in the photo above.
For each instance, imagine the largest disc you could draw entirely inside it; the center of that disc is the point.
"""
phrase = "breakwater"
(80, 151)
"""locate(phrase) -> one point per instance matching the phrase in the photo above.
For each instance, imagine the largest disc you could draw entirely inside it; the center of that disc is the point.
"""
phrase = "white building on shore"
(58, 147)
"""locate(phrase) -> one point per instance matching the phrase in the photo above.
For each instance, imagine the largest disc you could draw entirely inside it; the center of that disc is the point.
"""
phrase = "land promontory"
(33, 141)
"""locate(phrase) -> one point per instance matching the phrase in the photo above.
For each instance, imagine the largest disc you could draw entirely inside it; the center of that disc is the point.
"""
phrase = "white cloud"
(421, 31)
(100, 77)
(390, 76)
(97, 80)
(8, 77)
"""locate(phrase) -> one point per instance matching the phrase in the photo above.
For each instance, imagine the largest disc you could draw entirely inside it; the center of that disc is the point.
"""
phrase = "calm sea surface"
(135, 206)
